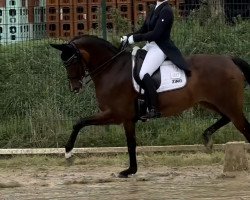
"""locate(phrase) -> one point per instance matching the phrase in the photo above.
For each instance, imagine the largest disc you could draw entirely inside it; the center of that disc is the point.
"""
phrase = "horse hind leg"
(241, 123)
(207, 135)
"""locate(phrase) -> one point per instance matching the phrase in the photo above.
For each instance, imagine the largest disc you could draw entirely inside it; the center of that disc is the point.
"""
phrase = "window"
(66, 27)
(1, 29)
(65, 1)
(66, 17)
(12, 3)
(12, 20)
(109, 25)
(25, 11)
(52, 18)
(12, 29)
(108, 8)
(36, 2)
(94, 25)
(66, 10)
(13, 37)
(124, 8)
(52, 27)
(52, 10)
(79, 9)
(80, 17)
(94, 9)
(1, 12)
(12, 12)
(140, 7)
(80, 26)
(23, 3)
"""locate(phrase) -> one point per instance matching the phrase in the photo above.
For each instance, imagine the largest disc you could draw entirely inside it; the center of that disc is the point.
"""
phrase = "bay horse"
(217, 82)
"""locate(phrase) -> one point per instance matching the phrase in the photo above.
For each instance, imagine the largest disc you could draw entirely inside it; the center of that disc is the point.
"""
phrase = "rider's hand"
(131, 39)
(124, 38)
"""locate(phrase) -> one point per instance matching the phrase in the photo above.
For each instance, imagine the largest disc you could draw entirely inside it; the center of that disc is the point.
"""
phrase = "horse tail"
(244, 67)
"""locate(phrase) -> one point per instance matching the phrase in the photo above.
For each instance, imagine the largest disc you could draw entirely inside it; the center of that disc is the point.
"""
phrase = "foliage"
(37, 109)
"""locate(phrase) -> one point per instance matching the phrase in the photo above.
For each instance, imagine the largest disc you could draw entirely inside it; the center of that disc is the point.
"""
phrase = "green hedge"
(37, 109)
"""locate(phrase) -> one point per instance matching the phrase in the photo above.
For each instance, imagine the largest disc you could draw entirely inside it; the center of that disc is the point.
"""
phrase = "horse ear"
(59, 47)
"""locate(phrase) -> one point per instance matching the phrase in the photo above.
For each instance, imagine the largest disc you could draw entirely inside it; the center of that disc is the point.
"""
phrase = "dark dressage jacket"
(157, 27)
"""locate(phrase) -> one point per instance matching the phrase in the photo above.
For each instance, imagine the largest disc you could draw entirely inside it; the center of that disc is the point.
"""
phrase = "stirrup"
(151, 114)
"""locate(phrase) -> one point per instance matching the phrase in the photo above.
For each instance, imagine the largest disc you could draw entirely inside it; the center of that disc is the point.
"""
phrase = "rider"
(156, 31)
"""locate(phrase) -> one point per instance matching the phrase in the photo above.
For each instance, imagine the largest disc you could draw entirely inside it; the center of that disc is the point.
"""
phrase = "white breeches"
(154, 58)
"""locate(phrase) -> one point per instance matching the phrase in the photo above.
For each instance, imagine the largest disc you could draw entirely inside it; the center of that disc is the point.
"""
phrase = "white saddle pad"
(171, 77)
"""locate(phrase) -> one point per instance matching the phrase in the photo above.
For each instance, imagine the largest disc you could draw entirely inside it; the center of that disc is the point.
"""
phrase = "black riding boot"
(151, 97)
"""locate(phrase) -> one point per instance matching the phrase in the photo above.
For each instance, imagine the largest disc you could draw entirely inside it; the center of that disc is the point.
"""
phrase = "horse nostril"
(76, 90)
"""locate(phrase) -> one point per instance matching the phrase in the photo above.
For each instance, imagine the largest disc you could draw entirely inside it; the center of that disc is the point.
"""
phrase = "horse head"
(84, 54)
(75, 62)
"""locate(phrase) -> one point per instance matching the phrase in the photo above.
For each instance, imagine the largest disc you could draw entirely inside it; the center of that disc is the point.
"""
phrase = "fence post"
(235, 157)
(104, 20)
(216, 8)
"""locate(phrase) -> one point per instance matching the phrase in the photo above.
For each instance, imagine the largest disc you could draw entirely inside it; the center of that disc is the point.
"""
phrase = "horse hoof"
(120, 175)
(209, 146)
(127, 173)
(70, 161)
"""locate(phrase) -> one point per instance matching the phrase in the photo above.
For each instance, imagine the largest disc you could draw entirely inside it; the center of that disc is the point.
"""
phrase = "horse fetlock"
(127, 172)
(68, 154)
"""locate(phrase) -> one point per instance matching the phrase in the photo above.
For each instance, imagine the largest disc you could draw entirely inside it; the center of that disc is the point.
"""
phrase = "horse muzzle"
(76, 86)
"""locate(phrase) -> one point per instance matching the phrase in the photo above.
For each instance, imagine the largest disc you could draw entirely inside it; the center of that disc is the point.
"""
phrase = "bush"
(37, 109)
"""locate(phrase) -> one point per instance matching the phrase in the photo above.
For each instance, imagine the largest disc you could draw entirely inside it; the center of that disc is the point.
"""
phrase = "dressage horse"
(217, 82)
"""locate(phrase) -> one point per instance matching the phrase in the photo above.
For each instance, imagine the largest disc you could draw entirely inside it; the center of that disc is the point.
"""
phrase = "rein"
(122, 48)
(101, 67)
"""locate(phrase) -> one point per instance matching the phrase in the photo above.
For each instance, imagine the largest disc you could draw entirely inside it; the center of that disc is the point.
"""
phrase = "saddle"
(166, 77)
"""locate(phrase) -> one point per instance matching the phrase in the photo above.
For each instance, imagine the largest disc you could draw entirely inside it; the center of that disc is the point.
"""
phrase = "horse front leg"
(102, 118)
(129, 128)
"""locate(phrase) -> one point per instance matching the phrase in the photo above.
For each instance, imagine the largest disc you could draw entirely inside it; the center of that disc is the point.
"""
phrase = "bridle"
(77, 57)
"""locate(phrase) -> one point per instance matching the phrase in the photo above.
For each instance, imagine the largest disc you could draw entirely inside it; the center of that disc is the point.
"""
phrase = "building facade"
(21, 20)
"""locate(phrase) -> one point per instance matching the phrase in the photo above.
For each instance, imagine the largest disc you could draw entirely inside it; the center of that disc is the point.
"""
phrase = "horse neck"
(110, 64)
(100, 60)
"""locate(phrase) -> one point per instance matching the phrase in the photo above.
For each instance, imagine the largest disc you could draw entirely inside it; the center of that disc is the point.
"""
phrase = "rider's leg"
(154, 58)
(150, 96)
(151, 63)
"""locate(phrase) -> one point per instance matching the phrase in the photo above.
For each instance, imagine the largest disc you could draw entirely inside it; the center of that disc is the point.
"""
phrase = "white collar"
(159, 3)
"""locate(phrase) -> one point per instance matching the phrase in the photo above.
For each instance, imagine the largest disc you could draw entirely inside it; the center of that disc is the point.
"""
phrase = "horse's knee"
(78, 126)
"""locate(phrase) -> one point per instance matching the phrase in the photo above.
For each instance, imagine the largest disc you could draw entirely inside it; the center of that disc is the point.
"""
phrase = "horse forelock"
(68, 51)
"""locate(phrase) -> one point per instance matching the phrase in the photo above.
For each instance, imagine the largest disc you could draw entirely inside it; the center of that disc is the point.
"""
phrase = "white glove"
(131, 39)
(124, 38)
